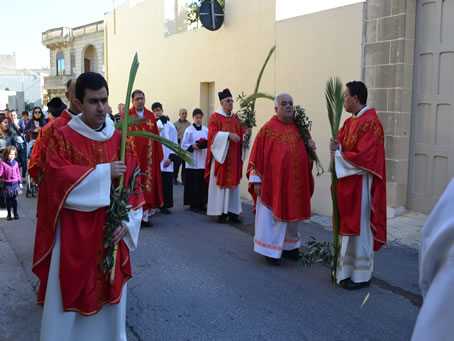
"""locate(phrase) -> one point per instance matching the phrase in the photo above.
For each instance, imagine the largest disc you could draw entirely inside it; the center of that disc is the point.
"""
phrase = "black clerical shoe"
(234, 218)
(9, 218)
(350, 285)
(222, 218)
(273, 261)
(146, 224)
(16, 217)
(165, 210)
(294, 254)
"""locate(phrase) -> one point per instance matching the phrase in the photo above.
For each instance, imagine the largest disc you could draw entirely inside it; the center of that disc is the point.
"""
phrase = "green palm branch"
(253, 97)
(119, 210)
(185, 155)
(247, 103)
(334, 95)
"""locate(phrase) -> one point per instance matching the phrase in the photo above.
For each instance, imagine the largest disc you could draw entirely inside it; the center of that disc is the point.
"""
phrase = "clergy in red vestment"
(281, 184)
(359, 158)
(37, 161)
(80, 302)
(224, 162)
(150, 155)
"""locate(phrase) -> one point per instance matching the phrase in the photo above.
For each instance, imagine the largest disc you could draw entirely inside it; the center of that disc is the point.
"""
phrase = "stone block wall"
(388, 74)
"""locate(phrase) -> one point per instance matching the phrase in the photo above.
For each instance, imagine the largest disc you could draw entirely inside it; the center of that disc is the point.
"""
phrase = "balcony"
(57, 36)
(56, 82)
(63, 35)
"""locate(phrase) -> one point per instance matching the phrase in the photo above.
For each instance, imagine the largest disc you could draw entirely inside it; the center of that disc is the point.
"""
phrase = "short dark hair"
(68, 83)
(156, 105)
(25, 112)
(89, 80)
(358, 89)
(197, 111)
(137, 91)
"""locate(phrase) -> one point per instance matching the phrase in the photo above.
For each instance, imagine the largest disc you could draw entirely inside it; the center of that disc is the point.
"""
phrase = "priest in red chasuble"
(80, 301)
(150, 155)
(38, 156)
(281, 184)
(224, 162)
(359, 157)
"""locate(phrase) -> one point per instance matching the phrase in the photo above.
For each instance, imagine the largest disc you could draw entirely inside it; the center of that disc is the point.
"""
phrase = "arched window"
(60, 63)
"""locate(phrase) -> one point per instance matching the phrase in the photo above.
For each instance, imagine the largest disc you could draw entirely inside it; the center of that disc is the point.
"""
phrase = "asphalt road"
(195, 279)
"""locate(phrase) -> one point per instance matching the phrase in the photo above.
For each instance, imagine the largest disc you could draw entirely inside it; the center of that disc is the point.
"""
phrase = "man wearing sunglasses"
(224, 163)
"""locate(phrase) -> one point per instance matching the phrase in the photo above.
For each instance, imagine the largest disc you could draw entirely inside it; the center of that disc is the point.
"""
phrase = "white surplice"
(273, 236)
(356, 258)
(436, 272)
(169, 132)
(222, 200)
(92, 193)
(192, 135)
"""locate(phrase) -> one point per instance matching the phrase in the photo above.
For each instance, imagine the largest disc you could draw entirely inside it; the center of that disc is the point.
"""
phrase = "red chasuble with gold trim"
(228, 174)
(37, 162)
(362, 141)
(150, 155)
(85, 289)
(280, 158)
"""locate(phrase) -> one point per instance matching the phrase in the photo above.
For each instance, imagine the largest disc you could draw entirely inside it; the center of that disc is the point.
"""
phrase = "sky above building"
(23, 21)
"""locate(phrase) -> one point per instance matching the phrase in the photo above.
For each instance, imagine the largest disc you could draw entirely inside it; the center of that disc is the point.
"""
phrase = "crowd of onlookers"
(17, 136)
(21, 132)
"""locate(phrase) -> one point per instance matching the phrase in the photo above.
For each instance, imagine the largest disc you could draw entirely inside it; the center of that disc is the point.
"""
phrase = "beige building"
(72, 51)
(401, 49)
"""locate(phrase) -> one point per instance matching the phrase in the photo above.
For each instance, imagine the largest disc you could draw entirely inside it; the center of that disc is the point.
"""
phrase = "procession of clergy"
(76, 163)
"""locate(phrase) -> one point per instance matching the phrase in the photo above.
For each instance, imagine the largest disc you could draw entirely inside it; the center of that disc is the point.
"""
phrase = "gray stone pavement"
(195, 279)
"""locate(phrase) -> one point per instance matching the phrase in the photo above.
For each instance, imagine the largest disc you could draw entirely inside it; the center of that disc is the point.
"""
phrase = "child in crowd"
(12, 182)
(195, 140)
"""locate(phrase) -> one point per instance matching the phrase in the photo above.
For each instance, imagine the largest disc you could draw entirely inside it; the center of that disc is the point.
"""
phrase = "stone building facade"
(72, 52)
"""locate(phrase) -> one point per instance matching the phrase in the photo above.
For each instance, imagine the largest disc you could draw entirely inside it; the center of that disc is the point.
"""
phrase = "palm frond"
(263, 68)
(185, 155)
(253, 97)
(111, 225)
(124, 126)
(334, 96)
(132, 121)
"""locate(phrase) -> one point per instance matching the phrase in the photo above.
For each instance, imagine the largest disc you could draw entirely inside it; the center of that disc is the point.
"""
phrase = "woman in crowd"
(34, 126)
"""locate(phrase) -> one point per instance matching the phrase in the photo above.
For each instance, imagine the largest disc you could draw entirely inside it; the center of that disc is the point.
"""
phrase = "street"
(195, 279)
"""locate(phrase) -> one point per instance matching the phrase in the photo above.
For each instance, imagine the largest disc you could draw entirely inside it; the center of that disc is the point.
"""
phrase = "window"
(60, 63)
